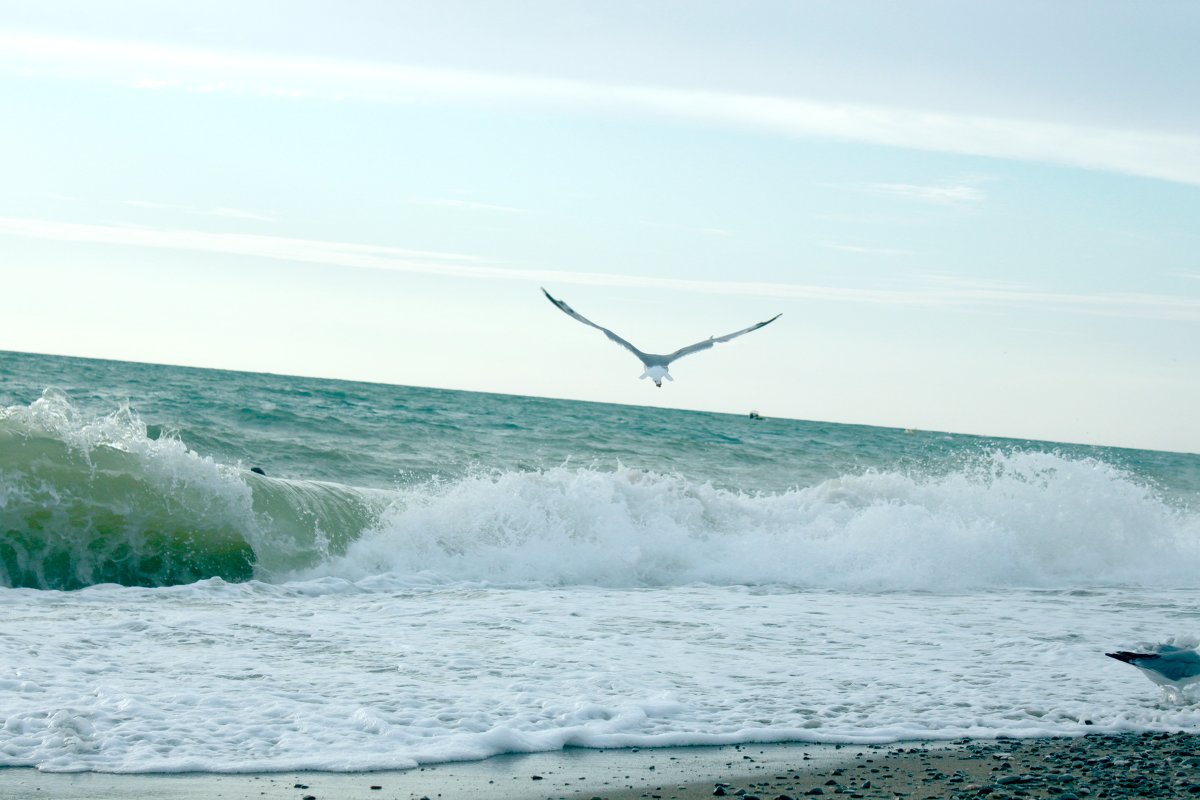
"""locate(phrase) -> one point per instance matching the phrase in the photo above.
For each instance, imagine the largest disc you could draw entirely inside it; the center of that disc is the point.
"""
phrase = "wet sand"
(1109, 766)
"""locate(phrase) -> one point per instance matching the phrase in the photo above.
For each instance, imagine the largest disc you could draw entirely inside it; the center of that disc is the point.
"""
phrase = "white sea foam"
(963, 593)
(336, 676)
(1017, 519)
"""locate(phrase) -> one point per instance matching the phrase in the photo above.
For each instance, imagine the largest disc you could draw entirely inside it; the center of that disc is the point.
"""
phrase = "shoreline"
(1097, 765)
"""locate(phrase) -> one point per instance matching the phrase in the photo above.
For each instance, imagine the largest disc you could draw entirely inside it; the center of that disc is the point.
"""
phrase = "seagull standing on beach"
(655, 365)
(1170, 666)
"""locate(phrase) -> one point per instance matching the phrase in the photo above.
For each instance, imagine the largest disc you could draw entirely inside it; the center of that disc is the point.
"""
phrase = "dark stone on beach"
(299, 786)
(536, 778)
(815, 790)
(720, 791)
(309, 797)
(376, 787)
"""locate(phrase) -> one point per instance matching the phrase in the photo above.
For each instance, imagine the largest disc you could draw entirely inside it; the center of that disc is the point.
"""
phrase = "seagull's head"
(658, 382)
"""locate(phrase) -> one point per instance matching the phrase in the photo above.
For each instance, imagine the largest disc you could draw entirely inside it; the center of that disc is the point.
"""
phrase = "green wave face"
(96, 500)
(71, 518)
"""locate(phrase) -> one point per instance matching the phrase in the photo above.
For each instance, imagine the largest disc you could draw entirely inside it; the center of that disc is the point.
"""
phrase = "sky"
(974, 217)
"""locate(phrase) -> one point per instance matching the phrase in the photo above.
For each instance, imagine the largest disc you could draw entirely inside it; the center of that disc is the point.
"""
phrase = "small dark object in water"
(755, 415)
(258, 470)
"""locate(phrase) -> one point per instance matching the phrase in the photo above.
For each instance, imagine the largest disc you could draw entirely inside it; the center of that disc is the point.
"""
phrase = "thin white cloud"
(866, 251)
(960, 282)
(238, 213)
(1047, 332)
(397, 259)
(944, 194)
(906, 220)
(1167, 156)
(700, 229)
(231, 213)
(152, 204)
(153, 83)
(452, 202)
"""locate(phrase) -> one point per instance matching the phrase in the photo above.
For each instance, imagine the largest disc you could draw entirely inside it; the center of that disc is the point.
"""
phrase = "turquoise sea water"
(138, 474)
(423, 575)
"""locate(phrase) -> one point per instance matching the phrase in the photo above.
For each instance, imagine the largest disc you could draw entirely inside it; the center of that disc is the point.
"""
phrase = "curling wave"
(87, 501)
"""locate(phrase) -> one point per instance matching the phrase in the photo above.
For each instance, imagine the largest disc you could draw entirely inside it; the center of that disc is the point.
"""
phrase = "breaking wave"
(101, 500)
(1017, 519)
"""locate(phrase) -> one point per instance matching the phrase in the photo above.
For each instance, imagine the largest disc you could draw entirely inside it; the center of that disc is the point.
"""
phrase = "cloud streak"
(452, 202)
(942, 194)
(941, 293)
(866, 251)
(1165, 156)
(696, 229)
(229, 213)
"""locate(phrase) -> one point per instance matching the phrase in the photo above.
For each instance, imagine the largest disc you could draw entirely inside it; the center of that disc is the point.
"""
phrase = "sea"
(217, 571)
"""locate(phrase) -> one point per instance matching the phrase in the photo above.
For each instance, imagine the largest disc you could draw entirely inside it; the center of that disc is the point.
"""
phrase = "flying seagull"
(1170, 666)
(656, 365)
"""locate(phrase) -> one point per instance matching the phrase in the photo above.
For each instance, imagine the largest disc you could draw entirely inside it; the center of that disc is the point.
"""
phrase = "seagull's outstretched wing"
(707, 343)
(570, 312)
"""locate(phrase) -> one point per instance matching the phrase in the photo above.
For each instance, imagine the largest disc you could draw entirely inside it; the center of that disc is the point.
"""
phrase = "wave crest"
(1005, 519)
(94, 500)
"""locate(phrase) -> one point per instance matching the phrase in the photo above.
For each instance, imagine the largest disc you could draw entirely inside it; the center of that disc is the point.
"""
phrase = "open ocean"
(425, 576)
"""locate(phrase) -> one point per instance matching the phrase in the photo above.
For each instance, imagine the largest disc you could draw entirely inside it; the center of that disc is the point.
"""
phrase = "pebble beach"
(1127, 765)
(1155, 765)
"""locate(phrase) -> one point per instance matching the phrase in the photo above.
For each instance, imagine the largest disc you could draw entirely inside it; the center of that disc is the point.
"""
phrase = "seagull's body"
(655, 364)
(1172, 667)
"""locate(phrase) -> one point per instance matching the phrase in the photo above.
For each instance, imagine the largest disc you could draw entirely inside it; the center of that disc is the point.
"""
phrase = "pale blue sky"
(974, 217)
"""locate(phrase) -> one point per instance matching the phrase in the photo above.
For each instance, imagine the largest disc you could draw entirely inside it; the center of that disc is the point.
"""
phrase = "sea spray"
(1006, 519)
